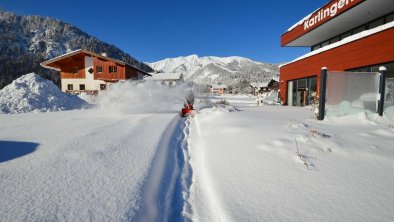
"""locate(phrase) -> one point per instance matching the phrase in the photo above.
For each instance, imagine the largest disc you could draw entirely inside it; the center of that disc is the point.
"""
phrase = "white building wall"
(89, 81)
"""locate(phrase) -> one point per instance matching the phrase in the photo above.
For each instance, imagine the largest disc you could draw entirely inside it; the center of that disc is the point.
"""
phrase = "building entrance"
(301, 92)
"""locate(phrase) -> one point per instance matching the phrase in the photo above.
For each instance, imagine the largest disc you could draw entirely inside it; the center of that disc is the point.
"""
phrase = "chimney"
(104, 54)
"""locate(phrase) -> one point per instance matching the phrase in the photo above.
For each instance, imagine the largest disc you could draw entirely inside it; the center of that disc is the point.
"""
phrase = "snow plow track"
(166, 194)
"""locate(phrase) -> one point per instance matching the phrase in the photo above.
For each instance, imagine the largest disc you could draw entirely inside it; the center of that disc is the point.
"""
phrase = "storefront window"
(301, 92)
(312, 86)
(294, 93)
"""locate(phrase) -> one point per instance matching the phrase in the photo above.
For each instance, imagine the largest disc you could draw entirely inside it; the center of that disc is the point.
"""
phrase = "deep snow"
(96, 164)
(85, 167)
(246, 167)
(235, 161)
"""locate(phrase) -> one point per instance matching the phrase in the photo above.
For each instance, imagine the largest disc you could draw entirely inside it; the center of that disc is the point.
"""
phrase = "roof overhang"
(355, 13)
(51, 64)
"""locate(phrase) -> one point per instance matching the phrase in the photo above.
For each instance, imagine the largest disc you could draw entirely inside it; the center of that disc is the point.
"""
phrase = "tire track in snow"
(165, 197)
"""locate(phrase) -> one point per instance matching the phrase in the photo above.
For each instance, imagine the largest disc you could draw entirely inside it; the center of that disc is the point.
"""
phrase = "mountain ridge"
(230, 70)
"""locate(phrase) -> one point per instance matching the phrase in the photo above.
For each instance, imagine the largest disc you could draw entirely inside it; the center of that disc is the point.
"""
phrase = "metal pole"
(382, 89)
(322, 98)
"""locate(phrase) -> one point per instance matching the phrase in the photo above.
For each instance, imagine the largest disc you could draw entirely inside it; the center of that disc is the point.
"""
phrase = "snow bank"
(274, 163)
(32, 93)
(270, 98)
(133, 97)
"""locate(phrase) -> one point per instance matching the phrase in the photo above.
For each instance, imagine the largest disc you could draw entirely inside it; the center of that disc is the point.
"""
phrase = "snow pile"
(270, 98)
(91, 99)
(133, 97)
(32, 93)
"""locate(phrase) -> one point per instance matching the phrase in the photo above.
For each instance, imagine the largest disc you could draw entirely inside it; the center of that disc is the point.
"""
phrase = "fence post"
(382, 89)
(322, 97)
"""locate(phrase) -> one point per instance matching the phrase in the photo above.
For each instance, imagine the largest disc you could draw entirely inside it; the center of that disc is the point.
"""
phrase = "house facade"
(82, 71)
(343, 35)
(168, 79)
(260, 87)
(217, 89)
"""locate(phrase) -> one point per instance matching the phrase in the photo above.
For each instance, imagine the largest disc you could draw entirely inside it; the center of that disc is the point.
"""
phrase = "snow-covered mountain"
(26, 41)
(211, 69)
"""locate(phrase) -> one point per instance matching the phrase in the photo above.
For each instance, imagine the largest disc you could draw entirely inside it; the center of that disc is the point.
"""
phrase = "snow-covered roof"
(344, 41)
(263, 84)
(302, 20)
(165, 76)
(259, 84)
(218, 86)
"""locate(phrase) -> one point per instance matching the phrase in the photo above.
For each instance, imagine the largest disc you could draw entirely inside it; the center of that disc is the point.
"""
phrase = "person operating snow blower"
(188, 109)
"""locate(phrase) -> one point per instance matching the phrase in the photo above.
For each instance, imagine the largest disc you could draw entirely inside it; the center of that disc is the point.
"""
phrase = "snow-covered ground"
(246, 167)
(119, 161)
(132, 158)
(82, 166)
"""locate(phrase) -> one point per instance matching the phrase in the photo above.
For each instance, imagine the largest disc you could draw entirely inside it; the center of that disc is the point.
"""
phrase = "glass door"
(301, 92)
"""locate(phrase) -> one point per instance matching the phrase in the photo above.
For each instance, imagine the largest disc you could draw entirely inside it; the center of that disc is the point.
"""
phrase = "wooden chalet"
(82, 71)
(217, 89)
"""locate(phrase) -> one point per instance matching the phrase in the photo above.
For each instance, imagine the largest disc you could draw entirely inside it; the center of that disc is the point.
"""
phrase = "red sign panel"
(324, 14)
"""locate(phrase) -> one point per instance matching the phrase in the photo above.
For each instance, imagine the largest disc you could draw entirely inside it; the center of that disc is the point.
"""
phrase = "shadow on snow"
(10, 150)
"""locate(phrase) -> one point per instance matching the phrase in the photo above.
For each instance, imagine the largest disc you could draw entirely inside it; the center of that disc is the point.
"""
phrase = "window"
(375, 68)
(324, 43)
(346, 34)
(372, 24)
(315, 47)
(75, 70)
(358, 29)
(81, 86)
(69, 86)
(113, 69)
(99, 69)
(376, 23)
(390, 18)
(335, 39)
(103, 87)
(301, 92)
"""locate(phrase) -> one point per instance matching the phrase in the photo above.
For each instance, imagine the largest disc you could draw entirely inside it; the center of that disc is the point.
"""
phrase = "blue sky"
(151, 30)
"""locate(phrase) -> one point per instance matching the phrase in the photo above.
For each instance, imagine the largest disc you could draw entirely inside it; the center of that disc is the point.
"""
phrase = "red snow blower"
(188, 110)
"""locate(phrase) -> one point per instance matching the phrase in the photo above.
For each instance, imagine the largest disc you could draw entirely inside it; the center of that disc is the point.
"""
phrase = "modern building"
(89, 72)
(343, 35)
